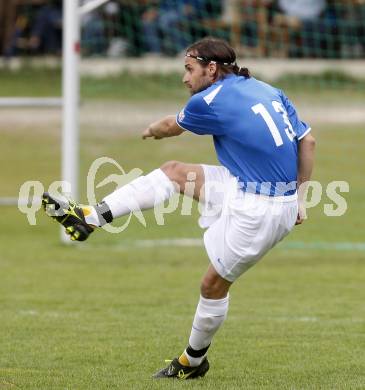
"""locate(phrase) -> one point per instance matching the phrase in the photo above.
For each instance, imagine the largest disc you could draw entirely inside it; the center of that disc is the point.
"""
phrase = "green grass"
(102, 317)
(329, 87)
(105, 314)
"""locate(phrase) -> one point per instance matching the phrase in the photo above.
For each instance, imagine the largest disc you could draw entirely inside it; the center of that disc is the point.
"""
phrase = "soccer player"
(266, 153)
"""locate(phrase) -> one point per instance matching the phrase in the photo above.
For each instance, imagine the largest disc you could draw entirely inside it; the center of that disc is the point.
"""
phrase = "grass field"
(105, 314)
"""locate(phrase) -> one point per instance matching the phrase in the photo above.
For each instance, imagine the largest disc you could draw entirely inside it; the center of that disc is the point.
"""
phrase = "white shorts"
(242, 227)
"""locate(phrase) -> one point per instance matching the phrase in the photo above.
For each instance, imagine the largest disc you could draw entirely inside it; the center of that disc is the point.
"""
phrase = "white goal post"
(71, 93)
(71, 89)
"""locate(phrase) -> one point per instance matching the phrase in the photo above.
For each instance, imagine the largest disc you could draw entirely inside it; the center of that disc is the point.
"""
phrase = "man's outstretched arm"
(166, 127)
(305, 166)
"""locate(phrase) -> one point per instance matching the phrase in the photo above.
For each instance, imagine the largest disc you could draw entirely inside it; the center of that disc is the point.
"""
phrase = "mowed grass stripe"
(197, 242)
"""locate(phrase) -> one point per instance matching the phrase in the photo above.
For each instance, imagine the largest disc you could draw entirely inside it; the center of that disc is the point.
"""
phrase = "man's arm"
(305, 166)
(166, 127)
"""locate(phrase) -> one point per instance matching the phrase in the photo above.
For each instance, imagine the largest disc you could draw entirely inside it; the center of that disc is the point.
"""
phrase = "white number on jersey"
(260, 109)
(278, 107)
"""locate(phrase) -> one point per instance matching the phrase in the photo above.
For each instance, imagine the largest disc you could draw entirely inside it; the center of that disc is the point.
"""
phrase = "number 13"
(278, 107)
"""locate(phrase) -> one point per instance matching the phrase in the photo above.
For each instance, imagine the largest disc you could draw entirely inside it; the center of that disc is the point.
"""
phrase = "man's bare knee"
(213, 286)
(206, 290)
(174, 170)
(212, 290)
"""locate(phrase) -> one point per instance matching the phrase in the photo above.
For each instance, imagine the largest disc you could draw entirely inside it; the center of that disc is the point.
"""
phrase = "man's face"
(196, 77)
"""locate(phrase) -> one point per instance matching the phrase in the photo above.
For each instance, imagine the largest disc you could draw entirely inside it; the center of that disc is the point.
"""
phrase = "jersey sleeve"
(198, 117)
(301, 128)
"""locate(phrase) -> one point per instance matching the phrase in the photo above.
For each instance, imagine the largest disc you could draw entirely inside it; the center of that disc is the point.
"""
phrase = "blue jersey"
(255, 129)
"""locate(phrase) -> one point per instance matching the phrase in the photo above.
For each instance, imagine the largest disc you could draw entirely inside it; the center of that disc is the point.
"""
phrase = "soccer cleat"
(69, 214)
(177, 370)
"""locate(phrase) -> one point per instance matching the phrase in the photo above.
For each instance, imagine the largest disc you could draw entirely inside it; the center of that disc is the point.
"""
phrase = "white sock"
(142, 193)
(209, 316)
(91, 216)
(192, 361)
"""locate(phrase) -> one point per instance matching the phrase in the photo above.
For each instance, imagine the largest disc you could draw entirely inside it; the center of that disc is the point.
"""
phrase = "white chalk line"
(198, 242)
(49, 314)
(314, 319)
(306, 319)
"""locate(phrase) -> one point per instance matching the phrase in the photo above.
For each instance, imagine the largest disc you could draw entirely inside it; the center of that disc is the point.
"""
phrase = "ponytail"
(237, 70)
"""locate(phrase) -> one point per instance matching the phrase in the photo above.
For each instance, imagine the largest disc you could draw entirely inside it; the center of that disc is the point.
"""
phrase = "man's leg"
(183, 173)
(143, 193)
(148, 191)
(211, 312)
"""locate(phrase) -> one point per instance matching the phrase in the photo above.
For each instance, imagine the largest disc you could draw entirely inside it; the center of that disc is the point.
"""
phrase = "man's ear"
(212, 68)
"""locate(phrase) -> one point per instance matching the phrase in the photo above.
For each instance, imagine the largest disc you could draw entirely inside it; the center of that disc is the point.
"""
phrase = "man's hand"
(166, 127)
(302, 213)
(148, 133)
(299, 220)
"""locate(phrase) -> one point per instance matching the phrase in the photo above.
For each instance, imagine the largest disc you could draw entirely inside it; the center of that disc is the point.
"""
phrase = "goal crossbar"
(91, 6)
(7, 102)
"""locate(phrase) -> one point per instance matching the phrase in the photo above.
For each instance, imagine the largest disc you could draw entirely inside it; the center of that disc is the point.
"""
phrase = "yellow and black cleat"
(69, 214)
(176, 370)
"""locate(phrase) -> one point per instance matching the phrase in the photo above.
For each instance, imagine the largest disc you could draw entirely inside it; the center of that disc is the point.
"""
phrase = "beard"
(202, 86)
